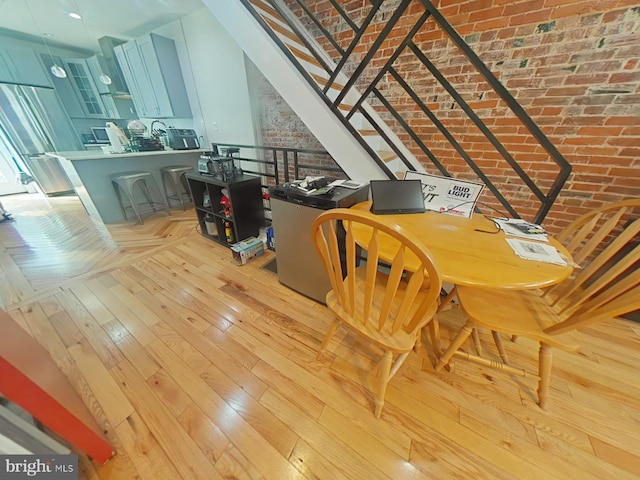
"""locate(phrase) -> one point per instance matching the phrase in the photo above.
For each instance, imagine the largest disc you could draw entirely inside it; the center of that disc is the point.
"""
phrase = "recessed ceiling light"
(75, 15)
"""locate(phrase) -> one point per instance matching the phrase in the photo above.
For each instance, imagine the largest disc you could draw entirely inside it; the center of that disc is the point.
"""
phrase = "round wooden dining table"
(470, 251)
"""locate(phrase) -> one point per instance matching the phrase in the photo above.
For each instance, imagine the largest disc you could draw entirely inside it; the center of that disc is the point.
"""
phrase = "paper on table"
(510, 227)
(536, 251)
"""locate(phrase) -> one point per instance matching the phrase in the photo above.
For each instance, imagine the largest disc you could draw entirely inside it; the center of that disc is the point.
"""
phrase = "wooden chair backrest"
(400, 308)
(608, 286)
(588, 233)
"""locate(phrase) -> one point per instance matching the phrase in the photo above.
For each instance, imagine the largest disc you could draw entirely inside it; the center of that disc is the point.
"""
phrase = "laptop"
(396, 196)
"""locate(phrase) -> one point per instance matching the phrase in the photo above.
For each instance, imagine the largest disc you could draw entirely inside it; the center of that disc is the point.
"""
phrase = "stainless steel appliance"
(293, 213)
(35, 123)
(223, 168)
(49, 174)
(182, 139)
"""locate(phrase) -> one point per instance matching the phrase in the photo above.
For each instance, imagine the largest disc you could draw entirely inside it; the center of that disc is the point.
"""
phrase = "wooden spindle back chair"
(608, 286)
(386, 306)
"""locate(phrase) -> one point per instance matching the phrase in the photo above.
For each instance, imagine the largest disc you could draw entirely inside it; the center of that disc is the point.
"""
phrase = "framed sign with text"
(446, 194)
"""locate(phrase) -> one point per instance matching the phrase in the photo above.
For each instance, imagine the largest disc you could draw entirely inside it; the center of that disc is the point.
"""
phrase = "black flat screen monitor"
(396, 196)
(100, 133)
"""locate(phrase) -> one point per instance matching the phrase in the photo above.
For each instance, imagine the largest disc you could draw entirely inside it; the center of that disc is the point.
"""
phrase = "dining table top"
(470, 251)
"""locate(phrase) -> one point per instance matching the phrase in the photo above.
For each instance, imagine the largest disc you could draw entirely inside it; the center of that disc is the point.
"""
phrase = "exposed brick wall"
(281, 127)
(573, 65)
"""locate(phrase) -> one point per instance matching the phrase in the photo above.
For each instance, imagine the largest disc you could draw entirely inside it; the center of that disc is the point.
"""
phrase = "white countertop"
(99, 155)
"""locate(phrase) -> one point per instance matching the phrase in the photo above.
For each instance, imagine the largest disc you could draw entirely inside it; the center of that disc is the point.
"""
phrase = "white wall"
(214, 74)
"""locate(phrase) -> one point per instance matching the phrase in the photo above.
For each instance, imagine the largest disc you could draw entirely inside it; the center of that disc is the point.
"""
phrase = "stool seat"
(174, 180)
(123, 184)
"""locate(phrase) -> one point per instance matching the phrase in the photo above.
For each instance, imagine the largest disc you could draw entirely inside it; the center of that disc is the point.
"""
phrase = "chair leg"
(498, 341)
(383, 381)
(327, 338)
(448, 299)
(461, 337)
(544, 371)
(434, 332)
(476, 340)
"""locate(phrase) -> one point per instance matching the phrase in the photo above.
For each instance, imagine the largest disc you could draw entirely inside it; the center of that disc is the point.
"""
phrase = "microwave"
(182, 139)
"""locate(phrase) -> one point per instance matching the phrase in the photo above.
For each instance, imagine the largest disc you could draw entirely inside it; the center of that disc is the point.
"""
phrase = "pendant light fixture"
(56, 70)
(103, 77)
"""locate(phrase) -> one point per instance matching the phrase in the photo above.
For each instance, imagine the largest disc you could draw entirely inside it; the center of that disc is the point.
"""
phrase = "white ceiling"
(123, 19)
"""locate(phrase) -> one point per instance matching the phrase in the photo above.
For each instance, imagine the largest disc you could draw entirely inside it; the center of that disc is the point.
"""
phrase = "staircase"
(347, 122)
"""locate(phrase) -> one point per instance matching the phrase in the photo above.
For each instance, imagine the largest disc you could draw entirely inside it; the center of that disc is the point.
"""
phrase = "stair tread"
(367, 132)
(283, 31)
(387, 155)
(265, 7)
(300, 55)
(323, 81)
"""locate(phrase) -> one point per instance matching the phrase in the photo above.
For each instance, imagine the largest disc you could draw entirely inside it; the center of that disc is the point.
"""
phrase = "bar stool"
(174, 177)
(123, 184)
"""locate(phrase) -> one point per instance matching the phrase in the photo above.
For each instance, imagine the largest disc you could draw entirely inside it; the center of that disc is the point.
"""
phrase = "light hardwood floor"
(200, 369)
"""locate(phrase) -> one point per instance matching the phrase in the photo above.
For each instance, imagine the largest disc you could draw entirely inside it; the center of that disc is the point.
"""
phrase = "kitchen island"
(89, 174)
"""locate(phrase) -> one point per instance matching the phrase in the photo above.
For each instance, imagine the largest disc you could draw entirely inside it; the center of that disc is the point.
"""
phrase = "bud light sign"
(446, 194)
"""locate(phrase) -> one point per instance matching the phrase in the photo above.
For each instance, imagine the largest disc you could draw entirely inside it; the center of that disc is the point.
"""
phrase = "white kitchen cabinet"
(64, 88)
(152, 71)
(22, 66)
(80, 77)
(118, 106)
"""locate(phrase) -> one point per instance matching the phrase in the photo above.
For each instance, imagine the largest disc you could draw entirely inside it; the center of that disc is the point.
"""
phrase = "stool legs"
(124, 187)
(172, 181)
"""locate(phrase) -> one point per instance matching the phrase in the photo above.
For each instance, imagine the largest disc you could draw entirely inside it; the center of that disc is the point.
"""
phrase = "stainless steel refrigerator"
(36, 122)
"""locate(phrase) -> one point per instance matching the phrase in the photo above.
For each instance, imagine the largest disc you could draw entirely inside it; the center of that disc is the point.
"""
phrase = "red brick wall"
(573, 65)
(281, 127)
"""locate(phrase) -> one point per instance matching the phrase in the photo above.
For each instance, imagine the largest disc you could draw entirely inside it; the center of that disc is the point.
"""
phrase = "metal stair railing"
(408, 45)
(308, 78)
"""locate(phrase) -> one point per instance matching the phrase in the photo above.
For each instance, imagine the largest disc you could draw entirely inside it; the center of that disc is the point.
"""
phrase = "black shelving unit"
(247, 210)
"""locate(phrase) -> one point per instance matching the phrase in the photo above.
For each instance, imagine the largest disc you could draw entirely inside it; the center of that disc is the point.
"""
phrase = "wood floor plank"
(431, 459)
(313, 464)
(144, 450)
(216, 352)
(244, 436)
(100, 342)
(278, 434)
(91, 302)
(187, 458)
(115, 330)
(618, 457)
(294, 393)
(596, 466)
(369, 443)
(122, 313)
(469, 439)
(233, 464)
(116, 406)
(206, 434)
(167, 390)
(183, 349)
(138, 356)
(337, 451)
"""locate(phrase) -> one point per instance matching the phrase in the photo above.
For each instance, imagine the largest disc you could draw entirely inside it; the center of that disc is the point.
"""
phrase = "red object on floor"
(30, 378)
